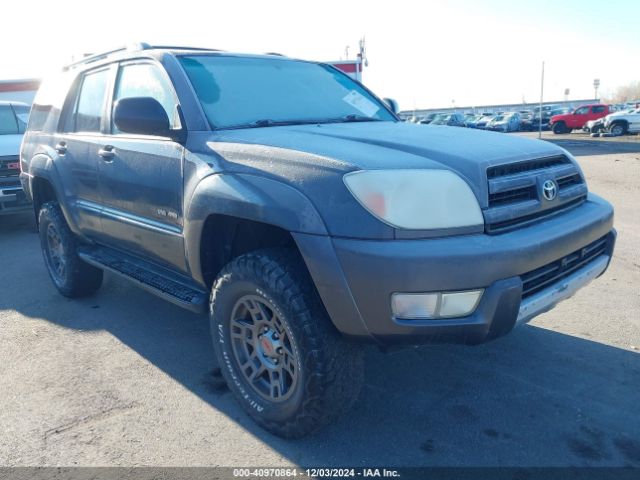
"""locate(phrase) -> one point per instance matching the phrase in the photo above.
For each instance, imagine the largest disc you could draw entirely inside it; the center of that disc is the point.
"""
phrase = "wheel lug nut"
(279, 350)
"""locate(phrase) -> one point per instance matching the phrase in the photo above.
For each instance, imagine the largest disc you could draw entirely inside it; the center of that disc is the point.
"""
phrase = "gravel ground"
(125, 379)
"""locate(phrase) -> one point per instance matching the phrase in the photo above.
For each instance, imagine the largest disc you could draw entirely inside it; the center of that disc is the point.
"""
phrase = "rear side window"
(90, 104)
(8, 123)
(146, 80)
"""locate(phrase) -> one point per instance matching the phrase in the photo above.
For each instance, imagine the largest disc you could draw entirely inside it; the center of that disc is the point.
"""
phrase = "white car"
(508, 122)
(13, 122)
(620, 123)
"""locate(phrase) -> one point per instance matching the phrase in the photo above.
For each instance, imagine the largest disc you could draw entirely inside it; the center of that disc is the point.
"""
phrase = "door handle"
(61, 148)
(107, 153)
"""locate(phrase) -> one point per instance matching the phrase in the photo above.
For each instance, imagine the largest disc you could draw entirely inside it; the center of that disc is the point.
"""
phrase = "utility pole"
(541, 96)
(596, 84)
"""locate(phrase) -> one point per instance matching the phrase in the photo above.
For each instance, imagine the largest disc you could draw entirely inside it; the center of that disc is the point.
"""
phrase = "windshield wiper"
(267, 122)
(352, 117)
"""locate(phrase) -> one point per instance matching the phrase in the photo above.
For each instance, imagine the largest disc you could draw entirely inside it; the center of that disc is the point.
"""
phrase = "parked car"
(484, 120)
(449, 119)
(565, 123)
(13, 121)
(472, 121)
(427, 119)
(302, 224)
(594, 126)
(507, 122)
(526, 118)
(620, 123)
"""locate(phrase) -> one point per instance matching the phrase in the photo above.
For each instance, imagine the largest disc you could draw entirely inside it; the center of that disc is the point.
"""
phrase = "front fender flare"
(250, 197)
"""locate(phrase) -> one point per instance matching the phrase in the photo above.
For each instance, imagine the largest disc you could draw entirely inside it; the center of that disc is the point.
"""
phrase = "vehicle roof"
(138, 50)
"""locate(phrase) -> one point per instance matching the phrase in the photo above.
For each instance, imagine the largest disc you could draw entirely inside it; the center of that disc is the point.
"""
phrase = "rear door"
(597, 111)
(141, 176)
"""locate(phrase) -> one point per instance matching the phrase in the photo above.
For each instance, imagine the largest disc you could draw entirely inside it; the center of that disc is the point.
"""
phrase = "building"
(19, 90)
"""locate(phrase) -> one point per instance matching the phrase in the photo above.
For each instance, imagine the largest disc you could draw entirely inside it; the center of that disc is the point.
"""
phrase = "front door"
(141, 176)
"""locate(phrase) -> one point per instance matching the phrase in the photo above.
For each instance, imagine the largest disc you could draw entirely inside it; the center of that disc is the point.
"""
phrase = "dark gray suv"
(291, 204)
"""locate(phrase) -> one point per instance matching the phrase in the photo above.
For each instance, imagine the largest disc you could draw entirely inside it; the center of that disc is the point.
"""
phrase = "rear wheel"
(71, 276)
(281, 356)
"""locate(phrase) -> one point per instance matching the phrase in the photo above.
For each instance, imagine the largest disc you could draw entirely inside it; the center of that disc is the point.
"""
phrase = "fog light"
(414, 306)
(459, 304)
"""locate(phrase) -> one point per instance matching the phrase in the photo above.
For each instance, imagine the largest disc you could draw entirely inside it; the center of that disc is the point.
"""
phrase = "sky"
(424, 54)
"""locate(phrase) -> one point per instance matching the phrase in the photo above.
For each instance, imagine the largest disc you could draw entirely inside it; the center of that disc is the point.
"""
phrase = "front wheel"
(618, 129)
(559, 128)
(71, 276)
(281, 356)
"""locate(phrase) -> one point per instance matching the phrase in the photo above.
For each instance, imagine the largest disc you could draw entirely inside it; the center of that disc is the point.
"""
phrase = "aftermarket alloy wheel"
(278, 351)
(71, 276)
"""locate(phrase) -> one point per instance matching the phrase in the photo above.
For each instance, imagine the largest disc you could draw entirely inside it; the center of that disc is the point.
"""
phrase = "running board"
(152, 278)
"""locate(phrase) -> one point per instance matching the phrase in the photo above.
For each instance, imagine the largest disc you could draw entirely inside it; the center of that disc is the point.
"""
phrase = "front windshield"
(498, 118)
(8, 122)
(249, 91)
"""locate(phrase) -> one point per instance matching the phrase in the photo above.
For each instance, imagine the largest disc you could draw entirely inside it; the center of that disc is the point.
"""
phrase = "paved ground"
(123, 378)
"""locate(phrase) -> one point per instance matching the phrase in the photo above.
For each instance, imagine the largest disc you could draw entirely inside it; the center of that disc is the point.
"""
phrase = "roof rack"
(134, 47)
(176, 47)
(99, 56)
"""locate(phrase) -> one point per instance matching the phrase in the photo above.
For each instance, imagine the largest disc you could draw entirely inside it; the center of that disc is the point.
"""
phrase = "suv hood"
(10, 145)
(314, 158)
(389, 145)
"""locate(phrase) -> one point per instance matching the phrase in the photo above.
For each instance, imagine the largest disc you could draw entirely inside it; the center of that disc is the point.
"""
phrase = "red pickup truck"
(571, 121)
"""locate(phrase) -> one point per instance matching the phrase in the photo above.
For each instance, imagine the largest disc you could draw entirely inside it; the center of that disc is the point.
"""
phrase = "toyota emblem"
(549, 190)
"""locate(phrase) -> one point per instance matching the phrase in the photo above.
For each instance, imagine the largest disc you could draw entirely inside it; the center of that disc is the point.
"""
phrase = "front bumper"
(356, 278)
(12, 196)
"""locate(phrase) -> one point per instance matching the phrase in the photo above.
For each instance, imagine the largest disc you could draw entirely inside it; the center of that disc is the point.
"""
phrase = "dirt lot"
(123, 378)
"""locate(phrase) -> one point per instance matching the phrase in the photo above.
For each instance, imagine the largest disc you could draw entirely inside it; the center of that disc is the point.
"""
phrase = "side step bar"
(152, 278)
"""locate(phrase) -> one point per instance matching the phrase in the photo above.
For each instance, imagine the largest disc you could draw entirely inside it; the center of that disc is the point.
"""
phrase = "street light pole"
(596, 84)
(541, 96)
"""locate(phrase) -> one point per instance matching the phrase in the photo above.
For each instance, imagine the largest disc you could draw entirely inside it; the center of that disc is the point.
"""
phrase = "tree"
(624, 93)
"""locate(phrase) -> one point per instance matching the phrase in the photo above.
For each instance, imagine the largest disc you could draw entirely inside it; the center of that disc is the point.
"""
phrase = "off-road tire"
(330, 368)
(76, 278)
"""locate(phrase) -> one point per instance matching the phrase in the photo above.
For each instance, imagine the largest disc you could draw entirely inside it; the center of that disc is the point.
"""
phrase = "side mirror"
(142, 115)
(393, 105)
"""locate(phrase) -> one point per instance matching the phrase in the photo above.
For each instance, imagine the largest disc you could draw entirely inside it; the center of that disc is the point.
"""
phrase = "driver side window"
(146, 80)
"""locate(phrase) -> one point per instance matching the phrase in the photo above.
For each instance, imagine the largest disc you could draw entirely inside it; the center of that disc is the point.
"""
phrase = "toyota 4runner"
(292, 205)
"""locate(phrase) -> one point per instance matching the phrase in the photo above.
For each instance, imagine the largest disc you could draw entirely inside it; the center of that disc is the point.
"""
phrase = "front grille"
(9, 166)
(520, 167)
(542, 277)
(515, 197)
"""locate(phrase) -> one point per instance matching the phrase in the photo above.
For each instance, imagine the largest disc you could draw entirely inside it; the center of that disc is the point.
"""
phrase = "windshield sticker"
(359, 101)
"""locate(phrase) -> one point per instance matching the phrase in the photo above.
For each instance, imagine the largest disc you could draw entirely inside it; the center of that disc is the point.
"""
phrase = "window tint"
(146, 80)
(582, 111)
(598, 109)
(91, 102)
(8, 123)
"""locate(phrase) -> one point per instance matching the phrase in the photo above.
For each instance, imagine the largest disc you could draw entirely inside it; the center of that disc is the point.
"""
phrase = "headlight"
(416, 199)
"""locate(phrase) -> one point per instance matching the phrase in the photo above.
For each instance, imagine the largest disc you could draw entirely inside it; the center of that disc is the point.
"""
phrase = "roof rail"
(99, 56)
(177, 47)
